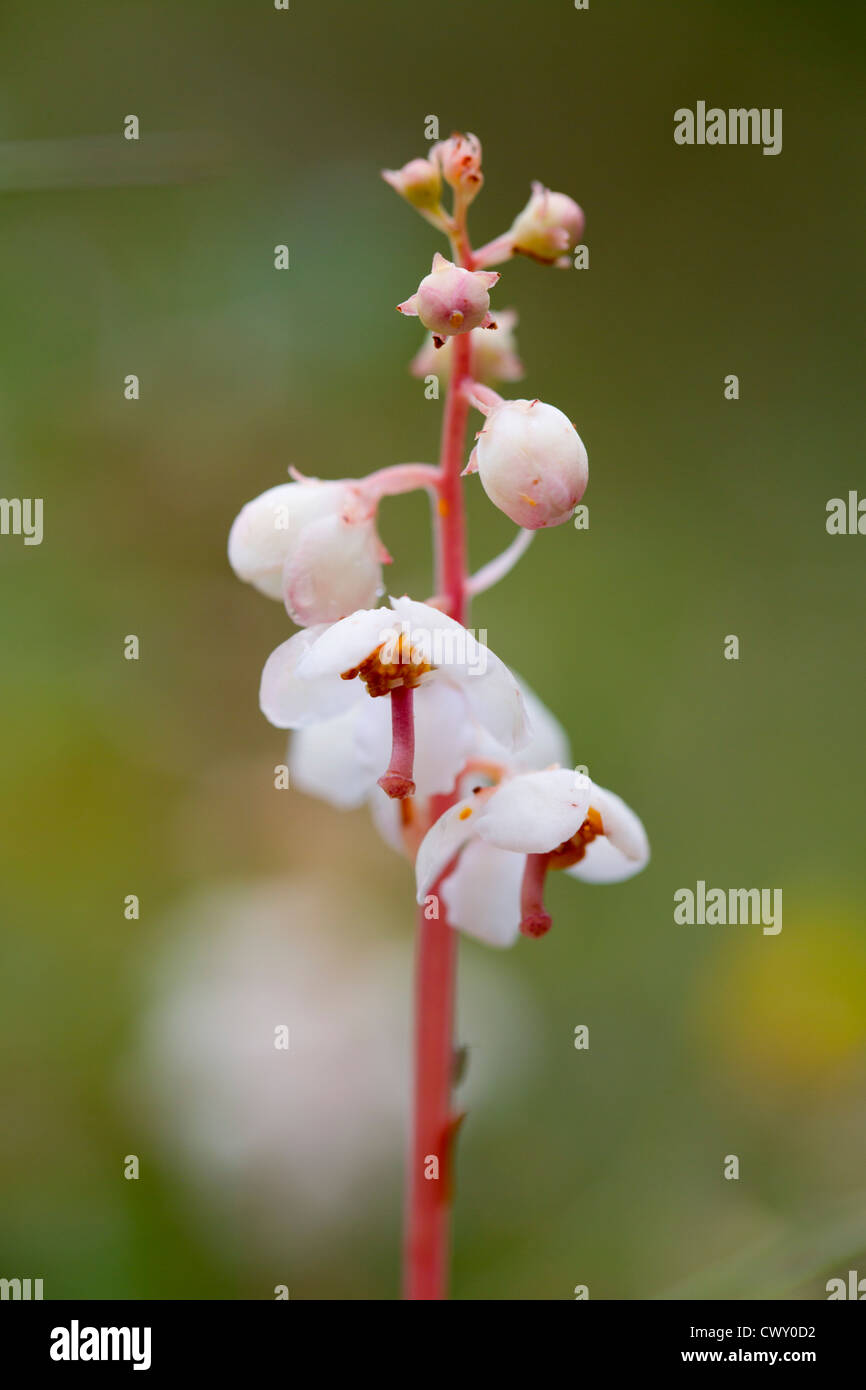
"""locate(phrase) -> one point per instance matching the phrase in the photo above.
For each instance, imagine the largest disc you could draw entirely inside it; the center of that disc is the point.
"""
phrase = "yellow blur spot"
(465, 813)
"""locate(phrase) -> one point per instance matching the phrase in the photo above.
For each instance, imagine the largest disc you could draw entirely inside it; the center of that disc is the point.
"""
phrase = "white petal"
(324, 761)
(548, 741)
(444, 737)
(536, 811)
(622, 851)
(482, 895)
(291, 703)
(387, 818)
(443, 840)
(267, 528)
(491, 690)
(347, 643)
(495, 700)
(333, 570)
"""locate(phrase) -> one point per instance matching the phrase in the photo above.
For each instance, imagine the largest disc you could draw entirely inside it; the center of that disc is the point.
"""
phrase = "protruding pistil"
(397, 781)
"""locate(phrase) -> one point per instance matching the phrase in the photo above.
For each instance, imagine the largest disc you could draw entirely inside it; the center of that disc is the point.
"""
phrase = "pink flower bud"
(451, 300)
(531, 462)
(419, 182)
(460, 160)
(549, 226)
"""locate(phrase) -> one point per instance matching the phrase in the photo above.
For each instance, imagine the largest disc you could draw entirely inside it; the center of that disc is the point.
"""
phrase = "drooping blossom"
(510, 834)
(322, 672)
(451, 300)
(530, 459)
(312, 544)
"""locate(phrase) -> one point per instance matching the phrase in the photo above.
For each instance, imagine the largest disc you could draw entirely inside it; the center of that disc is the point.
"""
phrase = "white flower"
(312, 544)
(494, 353)
(435, 672)
(280, 1148)
(530, 459)
(511, 834)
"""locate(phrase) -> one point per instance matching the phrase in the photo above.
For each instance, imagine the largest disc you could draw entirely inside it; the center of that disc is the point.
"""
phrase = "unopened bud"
(531, 462)
(451, 300)
(419, 182)
(549, 226)
(460, 160)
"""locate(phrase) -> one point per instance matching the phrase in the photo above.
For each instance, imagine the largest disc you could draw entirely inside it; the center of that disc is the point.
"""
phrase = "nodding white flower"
(510, 834)
(548, 228)
(460, 160)
(494, 353)
(312, 544)
(403, 824)
(419, 182)
(451, 300)
(321, 673)
(530, 459)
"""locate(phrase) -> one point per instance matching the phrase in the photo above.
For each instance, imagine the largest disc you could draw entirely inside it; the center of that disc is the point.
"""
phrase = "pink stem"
(451, 529)
(397, 781)
(430, 1181)
(433, 1123)
(400, 477)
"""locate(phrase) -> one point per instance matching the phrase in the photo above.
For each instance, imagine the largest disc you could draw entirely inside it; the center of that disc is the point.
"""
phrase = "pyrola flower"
(419, 182)
(548, 228)
(511, 834)
(451, 300)
(312, 544)
(460, 160)
(322, 672)
(530, 459)
(494, 353)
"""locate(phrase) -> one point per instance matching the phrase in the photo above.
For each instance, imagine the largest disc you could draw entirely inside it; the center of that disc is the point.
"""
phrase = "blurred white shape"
(298, 1141)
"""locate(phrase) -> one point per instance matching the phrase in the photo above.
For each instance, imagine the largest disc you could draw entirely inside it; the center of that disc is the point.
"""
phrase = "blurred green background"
(707, 518)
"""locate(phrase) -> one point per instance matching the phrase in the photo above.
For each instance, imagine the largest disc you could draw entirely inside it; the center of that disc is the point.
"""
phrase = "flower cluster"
(401, 706)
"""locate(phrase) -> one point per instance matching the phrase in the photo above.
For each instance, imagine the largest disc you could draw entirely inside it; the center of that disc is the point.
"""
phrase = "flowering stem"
(451, 527)
(429, 1194)
(433, 1124)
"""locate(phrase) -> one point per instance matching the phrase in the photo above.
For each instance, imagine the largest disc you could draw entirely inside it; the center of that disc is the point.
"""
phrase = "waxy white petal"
(291, 703)
(347, 644)
(536, 811)
(547, 743)
(622, 851)
(443, 840)
(324, 761)
(482, 895)
(265, 531)
(333, 570)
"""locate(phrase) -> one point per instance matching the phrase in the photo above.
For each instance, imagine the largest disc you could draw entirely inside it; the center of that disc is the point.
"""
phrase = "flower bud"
(531, 462)
(312, 544)
(460, 160)
(549, 226)
(419, 182)
(494, 353)
(451, 300)
(335, 569)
